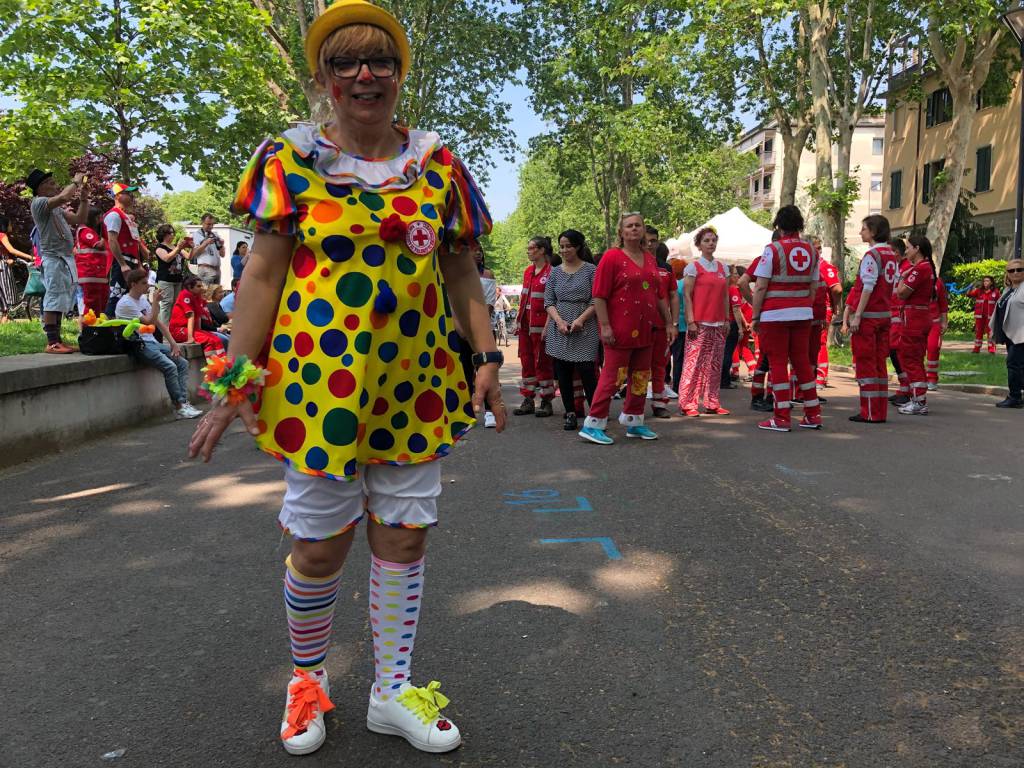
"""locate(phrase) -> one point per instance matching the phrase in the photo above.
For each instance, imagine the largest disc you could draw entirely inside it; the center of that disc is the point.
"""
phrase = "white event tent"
(739, 239)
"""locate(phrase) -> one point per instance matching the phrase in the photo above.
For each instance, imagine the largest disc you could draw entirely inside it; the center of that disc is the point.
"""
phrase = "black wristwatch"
(483, 358)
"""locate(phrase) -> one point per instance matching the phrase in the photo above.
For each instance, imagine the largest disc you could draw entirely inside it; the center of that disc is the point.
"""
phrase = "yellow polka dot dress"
(363, 356)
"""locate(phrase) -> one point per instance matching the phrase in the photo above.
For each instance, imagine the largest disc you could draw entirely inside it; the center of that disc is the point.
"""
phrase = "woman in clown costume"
(361, 258)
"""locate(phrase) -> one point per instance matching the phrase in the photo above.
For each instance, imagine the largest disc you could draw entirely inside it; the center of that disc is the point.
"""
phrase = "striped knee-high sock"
(309, 603)
(395, 591)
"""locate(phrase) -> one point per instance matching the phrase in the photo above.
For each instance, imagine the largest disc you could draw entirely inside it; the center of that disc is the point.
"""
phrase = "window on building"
(939, 108)
(877, 145)
(768, 146)
(931, 170)
(757, 186)
(988, 242)
(896, 189)
(767, 184)
(898, 119)
(876, 182)
(983, 169)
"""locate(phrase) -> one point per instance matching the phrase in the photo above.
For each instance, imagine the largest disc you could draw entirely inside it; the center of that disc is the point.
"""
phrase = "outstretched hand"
(212, 426)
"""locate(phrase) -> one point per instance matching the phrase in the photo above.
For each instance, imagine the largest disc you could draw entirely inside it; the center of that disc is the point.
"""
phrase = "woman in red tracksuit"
(787, 280)
(538, 369)
(628, 307)
(93, 265)
(867, 318)
(985, 297)
(916, 290)
(187, 317)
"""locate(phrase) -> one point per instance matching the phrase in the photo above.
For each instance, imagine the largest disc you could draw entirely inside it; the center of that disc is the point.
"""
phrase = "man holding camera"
(209, 252)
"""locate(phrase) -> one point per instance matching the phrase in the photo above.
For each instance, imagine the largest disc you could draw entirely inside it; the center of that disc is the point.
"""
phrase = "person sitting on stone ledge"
(164, 357)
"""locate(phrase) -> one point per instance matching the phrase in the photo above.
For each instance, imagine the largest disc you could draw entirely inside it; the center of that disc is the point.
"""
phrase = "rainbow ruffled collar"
(378, 175)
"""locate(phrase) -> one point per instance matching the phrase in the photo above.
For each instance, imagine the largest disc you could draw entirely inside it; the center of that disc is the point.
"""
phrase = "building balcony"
(767, 159)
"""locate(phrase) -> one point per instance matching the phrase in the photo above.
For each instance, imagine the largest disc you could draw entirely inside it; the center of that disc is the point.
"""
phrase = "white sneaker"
(670, 393)
(932, 386)
(914, 409)
(415, 715)
(304, 707)
(186, 411)
(489, 421)
(192, 408)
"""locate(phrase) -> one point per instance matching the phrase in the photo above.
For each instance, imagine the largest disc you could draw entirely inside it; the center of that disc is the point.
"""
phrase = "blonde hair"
(1006, 275)
(357, 40)
(622, 218)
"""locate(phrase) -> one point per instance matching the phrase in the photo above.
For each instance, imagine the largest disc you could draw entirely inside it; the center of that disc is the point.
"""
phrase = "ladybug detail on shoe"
(444, 725)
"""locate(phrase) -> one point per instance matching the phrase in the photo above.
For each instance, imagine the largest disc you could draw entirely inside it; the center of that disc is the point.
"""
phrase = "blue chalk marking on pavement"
(537, 496)
(606, 543)
(582, 505)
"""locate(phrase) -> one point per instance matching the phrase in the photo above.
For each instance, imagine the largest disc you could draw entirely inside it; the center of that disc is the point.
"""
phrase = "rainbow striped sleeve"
(263, 195)
(467, 217)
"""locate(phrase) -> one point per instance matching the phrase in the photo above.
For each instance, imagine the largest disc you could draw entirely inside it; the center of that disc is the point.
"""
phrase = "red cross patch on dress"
(421, 238)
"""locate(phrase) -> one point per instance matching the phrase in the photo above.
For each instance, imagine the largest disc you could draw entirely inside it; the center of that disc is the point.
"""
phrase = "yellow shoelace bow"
(425, 703)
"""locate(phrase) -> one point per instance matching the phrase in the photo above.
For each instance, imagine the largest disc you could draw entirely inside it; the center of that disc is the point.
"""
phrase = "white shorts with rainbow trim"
(318, 508)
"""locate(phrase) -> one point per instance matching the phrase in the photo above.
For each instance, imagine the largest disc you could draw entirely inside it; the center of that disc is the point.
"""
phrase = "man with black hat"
(56, 229)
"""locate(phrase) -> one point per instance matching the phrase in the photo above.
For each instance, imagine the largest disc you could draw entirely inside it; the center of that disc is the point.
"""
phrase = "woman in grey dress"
(571, 336)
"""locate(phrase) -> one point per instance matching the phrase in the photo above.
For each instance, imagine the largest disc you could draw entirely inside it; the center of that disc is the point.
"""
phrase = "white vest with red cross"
(531, 302)
(880, 302)
(794, 273)
(127, 237)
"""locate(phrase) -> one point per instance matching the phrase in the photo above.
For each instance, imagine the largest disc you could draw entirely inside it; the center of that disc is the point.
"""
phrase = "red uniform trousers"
(538, 376)
(913, 347)
(787, 343)
(870, 347)
(981, 330)
(632, 364)
(895, 333)
(934, 353)
(759, 377)
(813, 350)
(702, 368)
(95, 295)
(659, 359)
(822, 362)
(743, 353)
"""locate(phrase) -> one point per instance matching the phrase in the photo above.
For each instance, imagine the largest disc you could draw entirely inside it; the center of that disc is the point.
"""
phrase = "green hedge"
(961, 321)
(964, 274)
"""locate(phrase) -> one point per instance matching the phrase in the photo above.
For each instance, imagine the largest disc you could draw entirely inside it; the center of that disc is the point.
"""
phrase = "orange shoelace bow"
(305, 697)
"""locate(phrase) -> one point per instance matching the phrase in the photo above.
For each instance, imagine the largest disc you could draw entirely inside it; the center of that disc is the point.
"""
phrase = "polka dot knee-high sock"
(395, 591)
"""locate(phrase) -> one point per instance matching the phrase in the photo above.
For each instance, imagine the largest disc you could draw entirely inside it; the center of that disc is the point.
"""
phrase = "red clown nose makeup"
(336, 91)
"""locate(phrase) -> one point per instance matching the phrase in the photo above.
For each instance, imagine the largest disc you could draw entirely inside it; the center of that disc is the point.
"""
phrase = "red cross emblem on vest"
(799, 259)
(420, 238)
(890, 272)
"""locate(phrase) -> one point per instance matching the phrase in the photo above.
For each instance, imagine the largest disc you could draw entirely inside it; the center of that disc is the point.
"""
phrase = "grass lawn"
(20, 337)
(983, 368)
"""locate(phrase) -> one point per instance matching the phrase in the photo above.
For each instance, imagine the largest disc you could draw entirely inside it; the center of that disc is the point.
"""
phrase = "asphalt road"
(845, 598)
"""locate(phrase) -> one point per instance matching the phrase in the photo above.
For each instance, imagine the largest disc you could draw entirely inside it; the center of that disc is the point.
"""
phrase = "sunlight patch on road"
(87, 493)
(548, 593)
(227, 491)
(639, 572)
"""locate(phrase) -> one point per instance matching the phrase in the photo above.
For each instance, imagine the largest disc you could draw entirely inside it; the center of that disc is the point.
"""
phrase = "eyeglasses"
(345, 67)
(1016, 269)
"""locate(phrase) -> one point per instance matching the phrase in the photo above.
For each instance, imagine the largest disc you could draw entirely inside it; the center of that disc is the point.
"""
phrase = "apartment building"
(917, 135)
(867, 157)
